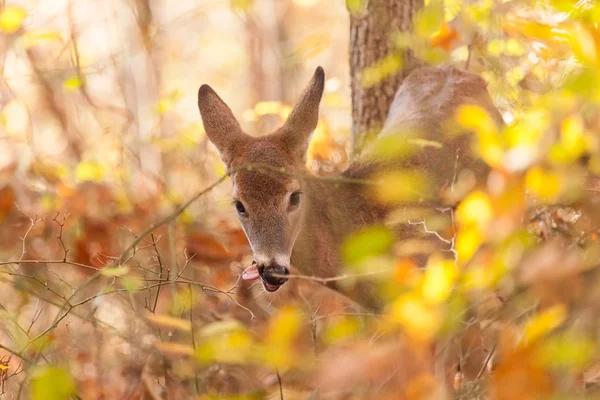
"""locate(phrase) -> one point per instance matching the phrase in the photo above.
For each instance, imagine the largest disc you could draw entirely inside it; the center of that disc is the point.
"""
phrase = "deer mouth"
(270, 288)
(272, 277)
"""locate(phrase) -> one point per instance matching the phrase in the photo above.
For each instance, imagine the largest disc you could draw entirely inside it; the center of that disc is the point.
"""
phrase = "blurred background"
(105, 92)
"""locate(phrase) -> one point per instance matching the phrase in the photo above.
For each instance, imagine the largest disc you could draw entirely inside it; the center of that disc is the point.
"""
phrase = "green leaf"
(341, 329)
(569, 350)
(356, 7)
(51, 383)
(368, 242)
(115, 271)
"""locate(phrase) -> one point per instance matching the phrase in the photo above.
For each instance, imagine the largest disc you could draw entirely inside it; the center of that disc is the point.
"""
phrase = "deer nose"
(273, 274)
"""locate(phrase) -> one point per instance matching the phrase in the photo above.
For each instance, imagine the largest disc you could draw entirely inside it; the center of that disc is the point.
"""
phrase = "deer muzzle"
(273, 276)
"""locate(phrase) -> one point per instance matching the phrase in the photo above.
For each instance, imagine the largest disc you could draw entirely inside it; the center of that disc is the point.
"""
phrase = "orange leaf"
(7, 201)
(520, 376)
(445, 37)
(206, 247)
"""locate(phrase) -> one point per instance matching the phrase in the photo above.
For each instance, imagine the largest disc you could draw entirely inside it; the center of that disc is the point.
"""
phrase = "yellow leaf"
(583, 44)
(484, 277)
(467, 243)
(233, 347)
(544, 322)
(476, 209)
(420, 320)
(166, 321)
(340, 330)
(573, 143)
(33, 37)
(167, 103)
(438, 282)
(268, 107)
(89, 171)
(73, 83)
(491, 151)
(546, 185)
(282, 333)
(284, 327)
(11, 18)
(178, 349)
(383, 69)
(190, 137)
(476, 118)
(429, 19)
(115, 271)
(400, 187)
(452, 9)
(515, 75)
(500, 47)
(531, 29)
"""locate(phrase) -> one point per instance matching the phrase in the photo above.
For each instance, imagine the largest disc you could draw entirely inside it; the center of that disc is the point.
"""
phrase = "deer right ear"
(303, 119)
(220, 125)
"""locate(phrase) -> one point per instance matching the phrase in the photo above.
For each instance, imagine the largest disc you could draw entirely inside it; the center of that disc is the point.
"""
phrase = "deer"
(292, 219)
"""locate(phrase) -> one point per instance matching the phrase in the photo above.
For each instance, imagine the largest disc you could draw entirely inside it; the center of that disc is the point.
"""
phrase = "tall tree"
(372, 25)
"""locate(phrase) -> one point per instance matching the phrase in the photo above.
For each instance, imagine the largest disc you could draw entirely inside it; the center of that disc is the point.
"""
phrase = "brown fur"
(313, 233)
(329, 212)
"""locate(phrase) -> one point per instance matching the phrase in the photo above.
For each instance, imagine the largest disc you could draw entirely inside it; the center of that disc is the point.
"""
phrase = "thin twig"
(17, 353)
(280, 384)
(248, 167)
(33, 221)
(330, 279)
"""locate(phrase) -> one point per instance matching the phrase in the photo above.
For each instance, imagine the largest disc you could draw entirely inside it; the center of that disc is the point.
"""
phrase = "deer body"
(292, 220)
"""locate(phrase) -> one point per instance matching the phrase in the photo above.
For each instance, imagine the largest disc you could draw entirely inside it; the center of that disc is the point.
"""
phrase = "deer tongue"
(251, 273)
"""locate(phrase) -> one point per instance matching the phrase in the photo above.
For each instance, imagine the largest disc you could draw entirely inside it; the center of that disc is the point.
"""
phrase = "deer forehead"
(266, 188)
(271, 176)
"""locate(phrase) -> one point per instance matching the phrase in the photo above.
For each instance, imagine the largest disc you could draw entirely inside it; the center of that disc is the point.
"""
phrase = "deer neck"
(335, 209)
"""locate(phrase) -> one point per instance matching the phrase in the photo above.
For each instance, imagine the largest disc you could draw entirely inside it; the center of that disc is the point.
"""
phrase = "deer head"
(270, 204)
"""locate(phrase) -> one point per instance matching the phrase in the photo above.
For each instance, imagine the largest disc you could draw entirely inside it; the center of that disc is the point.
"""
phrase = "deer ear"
(304, 117)
(220, 125)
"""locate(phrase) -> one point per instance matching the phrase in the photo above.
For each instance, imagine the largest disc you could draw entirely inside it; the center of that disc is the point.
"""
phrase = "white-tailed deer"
(291, 219)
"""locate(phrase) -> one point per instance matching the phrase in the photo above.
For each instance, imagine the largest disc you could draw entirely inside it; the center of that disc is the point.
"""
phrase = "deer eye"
(295, 199)
(240, 207)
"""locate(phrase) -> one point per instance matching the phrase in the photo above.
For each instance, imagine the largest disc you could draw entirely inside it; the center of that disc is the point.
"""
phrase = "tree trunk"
(371, 34)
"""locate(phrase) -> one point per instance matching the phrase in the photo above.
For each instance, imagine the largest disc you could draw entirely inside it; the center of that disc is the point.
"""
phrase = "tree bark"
(371, 34)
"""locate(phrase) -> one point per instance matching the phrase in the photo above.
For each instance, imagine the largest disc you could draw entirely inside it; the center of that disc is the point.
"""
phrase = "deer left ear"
(220, 125)
(304, 117)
